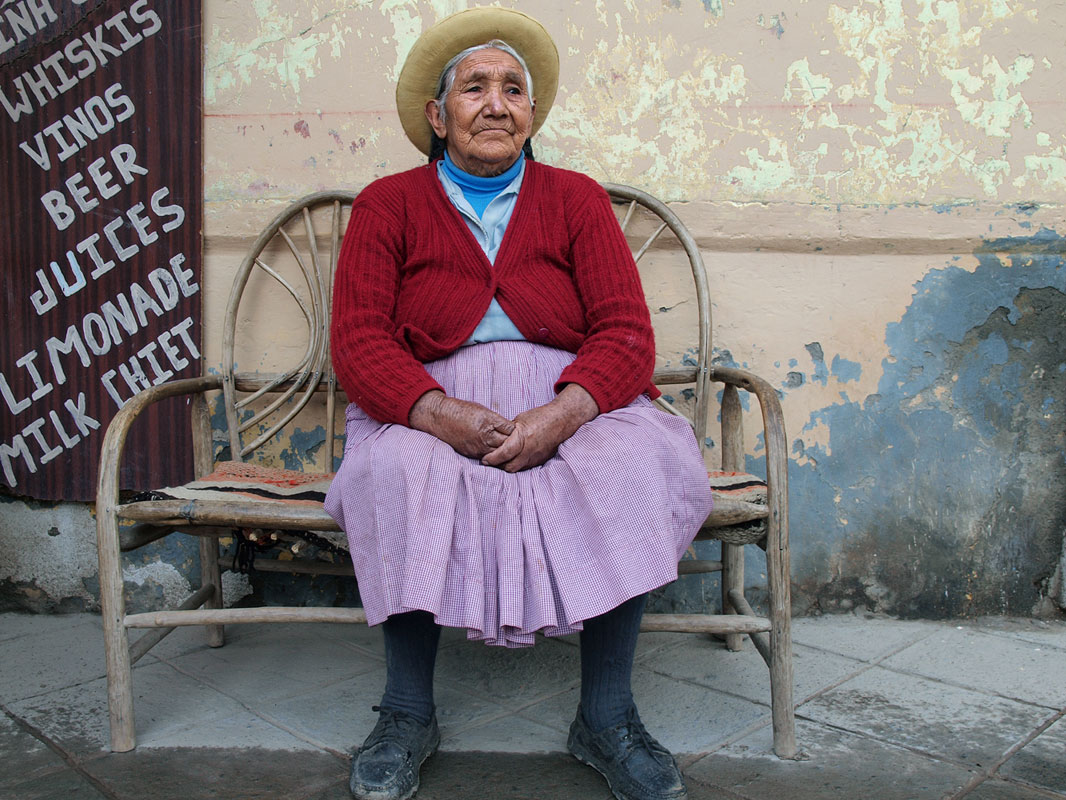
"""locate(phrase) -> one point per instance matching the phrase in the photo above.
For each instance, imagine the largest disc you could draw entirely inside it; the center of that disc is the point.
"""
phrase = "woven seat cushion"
(738, 485)
(236, 479)
(254, 482)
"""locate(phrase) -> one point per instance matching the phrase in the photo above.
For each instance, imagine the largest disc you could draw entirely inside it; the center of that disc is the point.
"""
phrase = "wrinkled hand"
(538, 432)
(470, 428)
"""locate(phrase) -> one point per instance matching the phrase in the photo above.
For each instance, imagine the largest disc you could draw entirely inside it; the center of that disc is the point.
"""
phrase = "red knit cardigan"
(412, 283)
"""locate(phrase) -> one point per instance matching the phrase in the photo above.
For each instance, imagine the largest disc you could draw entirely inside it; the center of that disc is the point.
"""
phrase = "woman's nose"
(494, 103)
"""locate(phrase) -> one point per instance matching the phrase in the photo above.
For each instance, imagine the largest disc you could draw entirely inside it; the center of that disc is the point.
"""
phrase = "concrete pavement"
(886, 709)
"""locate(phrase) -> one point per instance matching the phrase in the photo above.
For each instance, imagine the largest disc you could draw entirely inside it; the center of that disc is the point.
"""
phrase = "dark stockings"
(608, 643)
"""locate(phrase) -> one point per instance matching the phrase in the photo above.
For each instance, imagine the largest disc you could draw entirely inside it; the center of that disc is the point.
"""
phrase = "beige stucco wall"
(869, 183)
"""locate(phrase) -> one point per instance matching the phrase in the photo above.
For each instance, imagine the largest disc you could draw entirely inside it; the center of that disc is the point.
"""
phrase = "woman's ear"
(435, 121)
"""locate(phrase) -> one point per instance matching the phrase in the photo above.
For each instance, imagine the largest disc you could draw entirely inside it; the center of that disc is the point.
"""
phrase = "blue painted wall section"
(943, 493)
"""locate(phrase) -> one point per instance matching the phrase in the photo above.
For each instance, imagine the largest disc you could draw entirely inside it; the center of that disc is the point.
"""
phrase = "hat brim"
(434, 48)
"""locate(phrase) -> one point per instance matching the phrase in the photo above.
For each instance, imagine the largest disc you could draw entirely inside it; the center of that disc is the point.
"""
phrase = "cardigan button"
(543, 333)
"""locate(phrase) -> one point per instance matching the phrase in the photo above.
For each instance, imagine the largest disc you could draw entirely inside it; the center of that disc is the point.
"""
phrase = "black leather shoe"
(635, 765)
(386, 766)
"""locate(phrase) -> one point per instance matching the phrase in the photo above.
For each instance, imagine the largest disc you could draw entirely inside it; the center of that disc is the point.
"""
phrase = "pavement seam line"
(262, 715)
(965, 687)
(67, 758)
(762, 723)
(1009, 754)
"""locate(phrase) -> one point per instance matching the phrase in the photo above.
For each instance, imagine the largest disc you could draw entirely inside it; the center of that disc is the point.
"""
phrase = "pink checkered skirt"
(509, 555)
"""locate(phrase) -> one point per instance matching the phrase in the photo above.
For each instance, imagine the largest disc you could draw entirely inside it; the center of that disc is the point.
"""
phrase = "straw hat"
(434, 48)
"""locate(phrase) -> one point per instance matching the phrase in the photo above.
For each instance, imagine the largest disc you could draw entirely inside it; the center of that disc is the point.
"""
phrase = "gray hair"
(447, 75)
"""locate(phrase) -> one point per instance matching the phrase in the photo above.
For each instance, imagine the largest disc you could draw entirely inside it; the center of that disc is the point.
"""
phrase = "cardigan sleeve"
(376, 371)
(617, 358)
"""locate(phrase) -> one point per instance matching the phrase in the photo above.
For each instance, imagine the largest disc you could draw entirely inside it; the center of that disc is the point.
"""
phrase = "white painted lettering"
(183, 276)
(94, 333)
(123, 252)
(120, 102)
(16, 406)
(138, 13)
(159, 373)
(76, 409)
(21, 106)
(39, 84)
(102, 178)
(47, 451)
(38, 152)
(142, 302)
(173, 210)
(124, 157)
(68, 440)
(172, 353)
(77, 281)
(44, 299)
(42, 13)
(71, 343)
(166, 288)
(27, 363)
(18, 18)
(54, 63)
(81, 194)
(182, 330)
(108, 380)
(116, 23)
(58, 209)
(88, 245)
(77, 54)
(132, 372)
(141, 224)
(80, 127)
(101, 49)
(122, 315)
(10, 451)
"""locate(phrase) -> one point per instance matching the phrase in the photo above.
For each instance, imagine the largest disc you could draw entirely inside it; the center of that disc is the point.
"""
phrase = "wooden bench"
(294, 258)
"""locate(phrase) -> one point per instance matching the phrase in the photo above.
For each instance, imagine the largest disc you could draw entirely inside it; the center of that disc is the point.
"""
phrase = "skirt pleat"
(505, 555)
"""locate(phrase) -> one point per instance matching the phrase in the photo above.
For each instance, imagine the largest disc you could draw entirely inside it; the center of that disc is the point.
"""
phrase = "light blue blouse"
(488, 229)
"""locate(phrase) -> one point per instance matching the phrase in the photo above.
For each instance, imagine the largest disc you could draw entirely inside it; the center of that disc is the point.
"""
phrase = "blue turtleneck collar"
(479, 191)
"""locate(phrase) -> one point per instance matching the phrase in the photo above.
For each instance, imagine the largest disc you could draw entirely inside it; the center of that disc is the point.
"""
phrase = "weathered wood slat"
(233, 514)
(704, 623)
(231, 616)
(696, 566)
(154, 637)
(295, 567)
(256, 514)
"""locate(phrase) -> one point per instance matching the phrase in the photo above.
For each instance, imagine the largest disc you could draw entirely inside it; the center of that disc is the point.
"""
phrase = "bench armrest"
(117, 430)
(776, 449)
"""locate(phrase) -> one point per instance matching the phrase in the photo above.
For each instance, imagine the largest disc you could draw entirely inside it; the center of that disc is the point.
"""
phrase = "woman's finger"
(505, 452)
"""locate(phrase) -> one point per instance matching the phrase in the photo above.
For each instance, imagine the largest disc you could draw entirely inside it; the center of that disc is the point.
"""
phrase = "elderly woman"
(505, 470)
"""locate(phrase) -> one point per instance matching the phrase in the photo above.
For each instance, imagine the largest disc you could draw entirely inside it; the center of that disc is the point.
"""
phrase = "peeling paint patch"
(844, 370)
(300, 126)
(943, 494)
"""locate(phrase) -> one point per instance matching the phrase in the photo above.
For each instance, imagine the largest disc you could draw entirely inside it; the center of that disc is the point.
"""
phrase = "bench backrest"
(287, 278)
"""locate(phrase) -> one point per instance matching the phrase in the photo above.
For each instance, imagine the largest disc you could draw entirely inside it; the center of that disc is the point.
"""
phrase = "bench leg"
(210, 575)
(203, 458)
(732, 458)
(116, 643)
(782, 703)
(732, 579)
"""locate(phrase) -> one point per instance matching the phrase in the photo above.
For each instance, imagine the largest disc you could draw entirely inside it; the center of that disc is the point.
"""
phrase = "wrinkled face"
(488, 115)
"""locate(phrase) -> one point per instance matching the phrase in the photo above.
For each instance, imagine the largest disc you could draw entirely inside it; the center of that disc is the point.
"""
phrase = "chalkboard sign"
(100, 173)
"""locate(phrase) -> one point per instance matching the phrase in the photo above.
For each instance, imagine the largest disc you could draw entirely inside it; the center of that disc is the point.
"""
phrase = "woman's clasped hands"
(527, 441)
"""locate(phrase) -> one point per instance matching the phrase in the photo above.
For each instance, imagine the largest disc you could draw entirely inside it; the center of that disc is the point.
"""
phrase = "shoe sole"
(418, 777)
